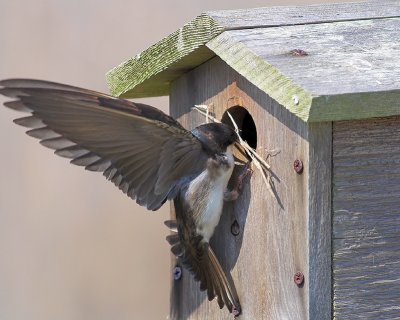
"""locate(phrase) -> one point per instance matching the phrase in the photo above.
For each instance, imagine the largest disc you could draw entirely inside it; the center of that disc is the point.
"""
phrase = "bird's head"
(215, 135)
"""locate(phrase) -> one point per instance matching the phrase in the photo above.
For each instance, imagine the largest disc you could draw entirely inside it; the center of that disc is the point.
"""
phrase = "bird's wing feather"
(139, 148)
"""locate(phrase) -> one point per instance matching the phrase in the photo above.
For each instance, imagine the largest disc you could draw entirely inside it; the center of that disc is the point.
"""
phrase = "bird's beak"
(240, 153)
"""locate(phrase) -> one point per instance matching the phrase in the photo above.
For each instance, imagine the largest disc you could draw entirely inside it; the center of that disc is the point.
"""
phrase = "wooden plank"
(345, 57)
(167, 53)
(150, 72)
(273, 241)
(366, 219)
(296, 15)
(344, 76)
(362, 105)
(319, 220)
(159, 83)
(262, 74)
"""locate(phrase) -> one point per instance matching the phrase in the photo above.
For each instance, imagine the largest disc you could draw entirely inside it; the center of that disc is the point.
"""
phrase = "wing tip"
(15, 82)
(236, 311)
(172, 225)
(16, 105)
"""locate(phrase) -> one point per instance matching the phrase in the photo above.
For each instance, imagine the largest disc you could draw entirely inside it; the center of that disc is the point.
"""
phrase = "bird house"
(316, 91)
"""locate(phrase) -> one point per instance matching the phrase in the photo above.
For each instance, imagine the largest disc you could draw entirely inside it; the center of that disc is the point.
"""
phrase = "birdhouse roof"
(321, 62)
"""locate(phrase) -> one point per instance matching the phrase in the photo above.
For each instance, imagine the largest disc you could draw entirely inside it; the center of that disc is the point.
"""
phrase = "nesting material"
(262, 166)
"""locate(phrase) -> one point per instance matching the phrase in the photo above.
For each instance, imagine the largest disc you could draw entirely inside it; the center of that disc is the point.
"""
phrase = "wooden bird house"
(316, 91)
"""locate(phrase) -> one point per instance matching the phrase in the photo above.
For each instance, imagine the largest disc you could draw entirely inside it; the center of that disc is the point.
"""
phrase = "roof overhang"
(341, 74)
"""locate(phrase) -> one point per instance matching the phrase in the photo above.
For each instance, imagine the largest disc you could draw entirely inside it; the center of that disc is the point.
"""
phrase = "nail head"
(295, 99)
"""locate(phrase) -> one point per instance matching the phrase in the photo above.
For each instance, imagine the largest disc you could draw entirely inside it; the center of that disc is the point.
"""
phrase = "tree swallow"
(146, 154)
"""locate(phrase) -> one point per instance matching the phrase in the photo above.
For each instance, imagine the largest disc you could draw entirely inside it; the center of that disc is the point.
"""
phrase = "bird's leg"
(235, 192)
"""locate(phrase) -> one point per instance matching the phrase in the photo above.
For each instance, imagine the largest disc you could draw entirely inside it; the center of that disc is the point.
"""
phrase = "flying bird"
(149, 156)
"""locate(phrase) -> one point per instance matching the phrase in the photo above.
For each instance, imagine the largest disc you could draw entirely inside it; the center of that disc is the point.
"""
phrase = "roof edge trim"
(262, 74)
(160, 56)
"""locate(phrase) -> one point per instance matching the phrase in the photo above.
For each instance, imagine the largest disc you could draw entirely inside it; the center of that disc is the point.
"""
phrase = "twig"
(258, 161)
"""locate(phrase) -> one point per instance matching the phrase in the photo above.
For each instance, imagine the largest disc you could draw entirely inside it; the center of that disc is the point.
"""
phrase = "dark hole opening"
(245, 123)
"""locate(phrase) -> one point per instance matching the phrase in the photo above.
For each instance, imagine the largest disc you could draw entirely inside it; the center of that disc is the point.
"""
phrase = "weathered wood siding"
(366, 219)
(275, 231)
(345, 62)
(299, 15)
(151, 72)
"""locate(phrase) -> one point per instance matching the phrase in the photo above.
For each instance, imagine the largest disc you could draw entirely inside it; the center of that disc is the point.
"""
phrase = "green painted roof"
(321, 62)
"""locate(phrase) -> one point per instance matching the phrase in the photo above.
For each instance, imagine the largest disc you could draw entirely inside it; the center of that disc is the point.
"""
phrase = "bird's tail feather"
(198, 257)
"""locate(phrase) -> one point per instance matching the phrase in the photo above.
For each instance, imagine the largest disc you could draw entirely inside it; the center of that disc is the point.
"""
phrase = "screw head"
(177, 273)
(298, 166)
(298, 53)
(298, 278)
(235, 228)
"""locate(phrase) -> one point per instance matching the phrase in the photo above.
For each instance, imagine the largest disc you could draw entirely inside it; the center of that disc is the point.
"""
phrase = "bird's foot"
(235, 192)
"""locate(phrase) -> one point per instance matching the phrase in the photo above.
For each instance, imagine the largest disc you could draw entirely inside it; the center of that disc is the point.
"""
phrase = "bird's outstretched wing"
(139, 148)
(198, 257)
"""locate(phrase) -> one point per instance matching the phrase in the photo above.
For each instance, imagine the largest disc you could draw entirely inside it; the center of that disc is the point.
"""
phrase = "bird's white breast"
(208, 190)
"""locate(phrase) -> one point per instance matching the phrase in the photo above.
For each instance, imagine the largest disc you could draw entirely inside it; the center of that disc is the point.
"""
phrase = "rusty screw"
(235, 228)
(177, 273)
(298, 53)
(298, 278)
(298, 166)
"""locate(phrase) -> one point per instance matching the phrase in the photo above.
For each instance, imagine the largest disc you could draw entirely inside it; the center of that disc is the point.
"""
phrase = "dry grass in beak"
(256, 159)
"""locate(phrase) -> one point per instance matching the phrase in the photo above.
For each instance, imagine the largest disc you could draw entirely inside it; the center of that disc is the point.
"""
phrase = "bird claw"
(235, 192)
(246, 171)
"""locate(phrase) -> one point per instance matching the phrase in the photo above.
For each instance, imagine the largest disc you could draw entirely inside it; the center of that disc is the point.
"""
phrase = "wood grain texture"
(349, 66)
(343, 57)
(319, 220)
(311, 14)
(366, 219)
(151, 72)
(262, 74)
(144, 75)
(273, 243)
